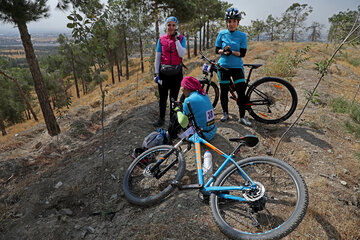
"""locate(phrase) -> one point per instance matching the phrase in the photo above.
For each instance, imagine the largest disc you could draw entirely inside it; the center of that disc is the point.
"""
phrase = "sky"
(254, 9)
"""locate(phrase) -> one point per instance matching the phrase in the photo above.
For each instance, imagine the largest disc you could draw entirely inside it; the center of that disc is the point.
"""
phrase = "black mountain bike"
(269, 99)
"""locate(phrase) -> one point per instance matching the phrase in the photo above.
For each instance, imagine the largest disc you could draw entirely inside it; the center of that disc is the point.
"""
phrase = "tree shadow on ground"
(330, 230)
(308, 134)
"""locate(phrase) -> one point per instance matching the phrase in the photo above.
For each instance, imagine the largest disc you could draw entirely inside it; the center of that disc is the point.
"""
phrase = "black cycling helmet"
(232, 13)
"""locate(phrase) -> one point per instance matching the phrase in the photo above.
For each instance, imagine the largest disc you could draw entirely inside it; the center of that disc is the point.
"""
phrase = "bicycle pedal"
(203, 197)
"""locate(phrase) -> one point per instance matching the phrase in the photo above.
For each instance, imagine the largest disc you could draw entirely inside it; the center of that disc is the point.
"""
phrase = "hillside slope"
(62, 188)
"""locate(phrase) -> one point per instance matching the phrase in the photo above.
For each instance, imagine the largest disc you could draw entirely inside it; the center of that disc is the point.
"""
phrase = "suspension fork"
(154, 169)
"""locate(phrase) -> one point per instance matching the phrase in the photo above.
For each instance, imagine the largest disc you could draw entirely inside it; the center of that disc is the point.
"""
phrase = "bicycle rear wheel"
(142, 187)
(271, 212)
(271, 100)
(211, 89)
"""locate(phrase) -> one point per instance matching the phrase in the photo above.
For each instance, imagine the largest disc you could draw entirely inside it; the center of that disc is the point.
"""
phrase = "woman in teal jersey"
(232, 45)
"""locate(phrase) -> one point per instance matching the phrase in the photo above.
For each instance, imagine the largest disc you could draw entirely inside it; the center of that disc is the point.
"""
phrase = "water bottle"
(207, 167)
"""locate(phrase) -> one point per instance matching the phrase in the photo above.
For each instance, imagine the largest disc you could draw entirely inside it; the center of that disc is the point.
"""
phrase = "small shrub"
(353, 128)
(285, 64)
(340, 105)
(314, 99)
(354, 61)
(355, 113)
(357, 155)
(345, 56)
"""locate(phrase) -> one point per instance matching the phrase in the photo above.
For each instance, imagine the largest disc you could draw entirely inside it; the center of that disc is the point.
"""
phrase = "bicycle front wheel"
(144, 187)
(271, 100)
(271, 211)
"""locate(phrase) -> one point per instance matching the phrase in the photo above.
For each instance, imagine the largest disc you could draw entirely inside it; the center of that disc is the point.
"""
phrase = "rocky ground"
(64, 188)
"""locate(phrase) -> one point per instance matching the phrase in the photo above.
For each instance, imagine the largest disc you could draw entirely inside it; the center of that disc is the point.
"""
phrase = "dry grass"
(257, 50)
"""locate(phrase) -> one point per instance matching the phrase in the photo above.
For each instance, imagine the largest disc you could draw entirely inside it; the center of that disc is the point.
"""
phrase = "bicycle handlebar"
(174, 104)
(212, 62)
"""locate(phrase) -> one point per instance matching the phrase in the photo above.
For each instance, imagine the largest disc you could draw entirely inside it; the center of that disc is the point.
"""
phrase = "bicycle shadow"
(308, 134)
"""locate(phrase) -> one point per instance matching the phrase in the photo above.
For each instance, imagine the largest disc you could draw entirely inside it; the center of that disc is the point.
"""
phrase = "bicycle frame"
(207, 188)
(232, 88)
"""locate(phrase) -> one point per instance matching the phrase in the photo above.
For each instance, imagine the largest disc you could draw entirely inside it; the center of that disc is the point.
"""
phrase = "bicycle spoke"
(272, 204)
(271, 101)
(142, 187)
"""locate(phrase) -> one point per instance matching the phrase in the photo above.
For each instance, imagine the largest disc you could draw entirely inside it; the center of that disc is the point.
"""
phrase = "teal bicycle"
(254, 198)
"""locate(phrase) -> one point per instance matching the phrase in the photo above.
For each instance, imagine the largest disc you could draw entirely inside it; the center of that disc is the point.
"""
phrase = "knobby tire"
(271, 100)
(285, 206)
(141, 187)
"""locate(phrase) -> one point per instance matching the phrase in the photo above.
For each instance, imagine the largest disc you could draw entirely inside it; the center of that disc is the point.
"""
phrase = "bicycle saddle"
(253, 65)
(250, 140)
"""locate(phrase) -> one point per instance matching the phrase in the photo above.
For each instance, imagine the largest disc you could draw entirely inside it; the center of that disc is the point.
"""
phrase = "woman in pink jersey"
(170, 50)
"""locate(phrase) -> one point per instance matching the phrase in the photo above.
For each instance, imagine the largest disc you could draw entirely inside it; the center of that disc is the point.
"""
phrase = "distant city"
(38, 39)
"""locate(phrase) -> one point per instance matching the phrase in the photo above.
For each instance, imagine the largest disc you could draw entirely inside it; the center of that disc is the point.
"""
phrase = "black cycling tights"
(173, 84)
(240, 89)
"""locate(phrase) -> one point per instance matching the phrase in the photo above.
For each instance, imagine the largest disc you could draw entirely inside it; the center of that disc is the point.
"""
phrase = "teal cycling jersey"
(235, 40)
(203, 112)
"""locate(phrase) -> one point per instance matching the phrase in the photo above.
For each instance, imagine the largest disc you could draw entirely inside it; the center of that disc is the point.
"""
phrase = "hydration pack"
(160, 137)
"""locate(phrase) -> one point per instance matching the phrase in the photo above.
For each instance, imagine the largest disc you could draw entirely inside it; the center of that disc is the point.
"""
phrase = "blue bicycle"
(254, 198)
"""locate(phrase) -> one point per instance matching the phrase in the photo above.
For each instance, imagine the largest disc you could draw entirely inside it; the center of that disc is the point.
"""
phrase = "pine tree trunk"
(53, 100)
(126, 56)
(208, 35)
(28, 114)
(204, 28)
(117, 66)
(121, 72)
(293, 33)
(83, 86)
(112, 73)
(188, 45)
(74, 73)
(141, 55)
(40, 89)
(111, 66)
(2, 127)
(156, 14)
(195, 45)
(22, 94)
(200, 39)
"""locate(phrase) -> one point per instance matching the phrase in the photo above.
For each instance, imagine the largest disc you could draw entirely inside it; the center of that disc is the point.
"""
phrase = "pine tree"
(19, 13)
(294, 18)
